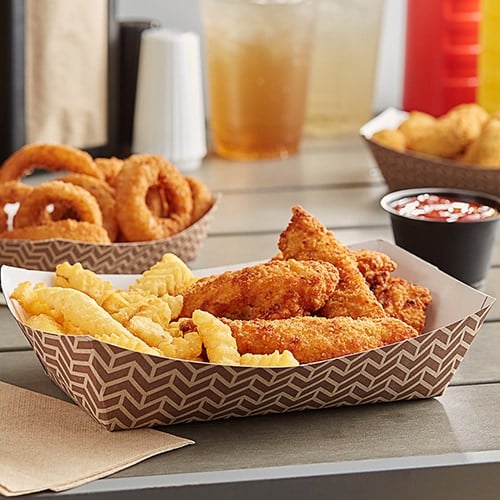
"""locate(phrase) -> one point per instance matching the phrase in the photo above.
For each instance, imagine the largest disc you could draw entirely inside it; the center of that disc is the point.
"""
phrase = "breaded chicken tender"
(404, 300)
(272, 290)
(306, 238)
(313, 338)
(376, 267)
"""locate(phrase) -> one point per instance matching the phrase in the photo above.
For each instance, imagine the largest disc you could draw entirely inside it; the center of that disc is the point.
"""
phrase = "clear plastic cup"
(343, 67)
(257, 54)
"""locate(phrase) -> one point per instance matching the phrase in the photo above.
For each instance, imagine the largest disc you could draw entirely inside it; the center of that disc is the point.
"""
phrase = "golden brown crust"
(53, 157)
(306, 238)
(79, 202)
(447, 136)
(110, 168)
(485, 150)
(394, 139)
(104, 195)
(11, 192)
(202, 198)
(376, 267)
(311, 338)
(275, 289)
(138, 174)
(66, 229)
(404, 300)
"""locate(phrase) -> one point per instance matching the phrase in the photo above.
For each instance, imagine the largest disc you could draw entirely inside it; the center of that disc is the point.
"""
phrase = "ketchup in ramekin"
(453, 229)
(443, 208)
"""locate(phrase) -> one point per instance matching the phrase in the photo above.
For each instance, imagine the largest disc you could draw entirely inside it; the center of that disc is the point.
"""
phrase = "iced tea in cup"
(257, 55)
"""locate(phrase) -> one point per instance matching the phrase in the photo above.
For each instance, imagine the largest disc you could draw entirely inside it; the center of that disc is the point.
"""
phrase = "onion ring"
(202, 198)
(67, 229)
(156, 201)
(11, 192)
(81, 204)
(53, 157)
(110, 168)
(138, 174)
(105, 196)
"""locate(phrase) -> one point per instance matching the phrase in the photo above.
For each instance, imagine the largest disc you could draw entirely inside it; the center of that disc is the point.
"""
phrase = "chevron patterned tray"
(104, 259)
(123, 389)
(402, 170)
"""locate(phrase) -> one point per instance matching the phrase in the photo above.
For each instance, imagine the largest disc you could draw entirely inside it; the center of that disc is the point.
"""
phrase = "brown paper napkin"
(47, 443)
(66, 72)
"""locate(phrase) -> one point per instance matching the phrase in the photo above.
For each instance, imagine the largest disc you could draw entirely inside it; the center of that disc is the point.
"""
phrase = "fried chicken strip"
(404, 300)
(313, 338)
(376, 267)
(306, 238)
(275, 289)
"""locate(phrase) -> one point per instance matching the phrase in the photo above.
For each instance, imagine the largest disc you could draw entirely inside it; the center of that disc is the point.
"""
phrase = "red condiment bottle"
(442, 47)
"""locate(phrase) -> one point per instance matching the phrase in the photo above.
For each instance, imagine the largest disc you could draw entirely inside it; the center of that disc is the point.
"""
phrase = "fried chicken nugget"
(485, 150)
(273, 290)
(394, 139)
(415, 126)
(313, 338)
(404, 300)
(306, 238)
(452, 132)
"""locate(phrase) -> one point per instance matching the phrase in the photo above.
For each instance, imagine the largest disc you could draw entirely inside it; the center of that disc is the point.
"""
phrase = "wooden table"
(446, 447)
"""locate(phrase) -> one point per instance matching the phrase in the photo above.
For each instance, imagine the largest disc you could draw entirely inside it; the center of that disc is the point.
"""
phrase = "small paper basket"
(124, 389)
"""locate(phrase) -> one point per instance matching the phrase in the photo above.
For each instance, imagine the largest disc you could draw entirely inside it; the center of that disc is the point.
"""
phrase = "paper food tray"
(402, 170)
(114, 258)
(124, 389)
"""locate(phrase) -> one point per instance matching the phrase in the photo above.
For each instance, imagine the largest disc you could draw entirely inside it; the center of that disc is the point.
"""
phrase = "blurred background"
(69, 69)
(185, 15)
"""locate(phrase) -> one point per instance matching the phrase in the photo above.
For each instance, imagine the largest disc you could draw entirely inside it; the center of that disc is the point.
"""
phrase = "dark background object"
(130, 43)
(12, 81)
(12, 131)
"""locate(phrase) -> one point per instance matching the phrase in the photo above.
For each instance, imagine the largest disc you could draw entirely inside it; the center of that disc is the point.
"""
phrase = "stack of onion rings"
(105, 197)
(11, 192)
(138, 175)
(34, 208)
(102, 200)
(53, 157)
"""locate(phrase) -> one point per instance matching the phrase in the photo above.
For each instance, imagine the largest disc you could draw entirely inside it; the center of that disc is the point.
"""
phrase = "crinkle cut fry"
(313, 338)
(306, 238)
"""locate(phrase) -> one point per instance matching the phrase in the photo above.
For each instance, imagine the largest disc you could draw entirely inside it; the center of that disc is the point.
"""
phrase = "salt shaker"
(169, 109)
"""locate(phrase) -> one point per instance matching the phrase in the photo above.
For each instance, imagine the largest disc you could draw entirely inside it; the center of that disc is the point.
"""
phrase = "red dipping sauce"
(443, 208)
